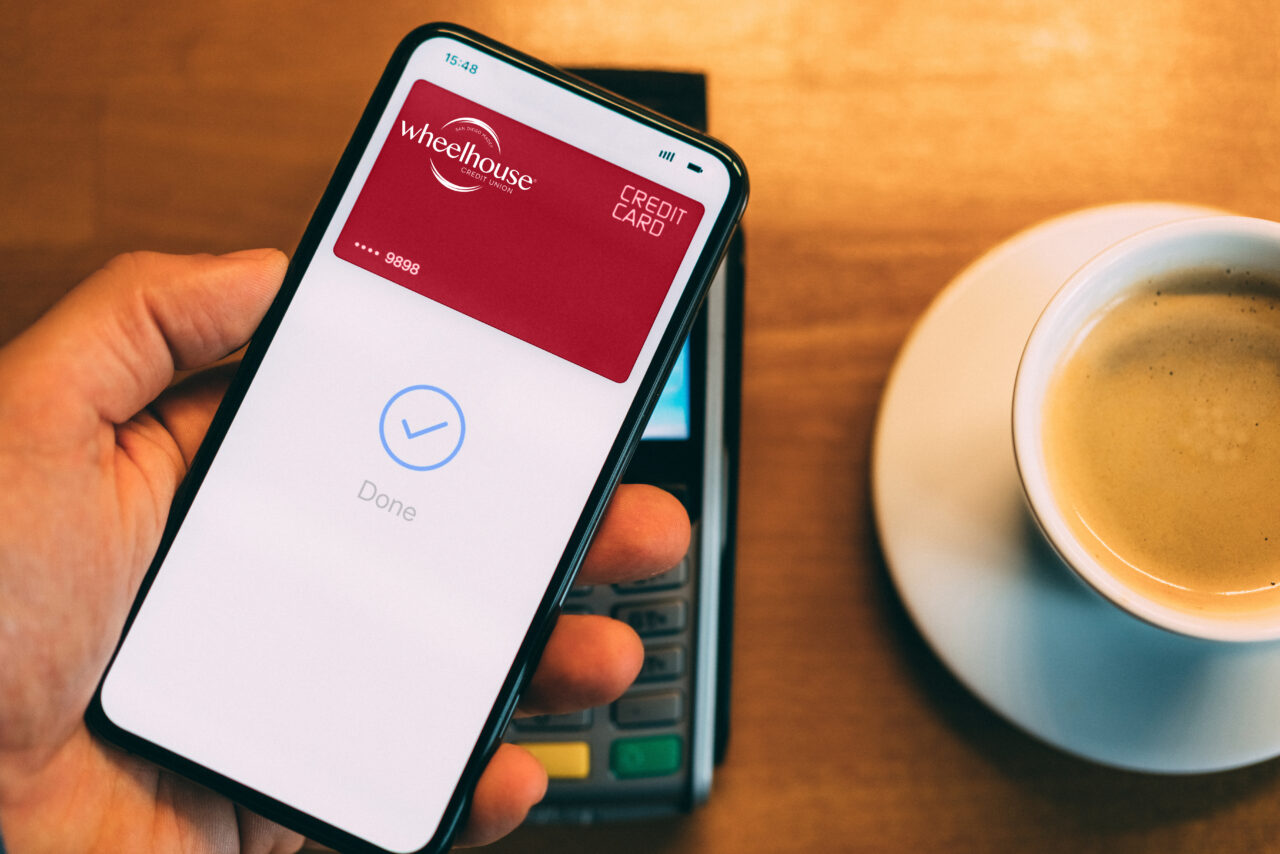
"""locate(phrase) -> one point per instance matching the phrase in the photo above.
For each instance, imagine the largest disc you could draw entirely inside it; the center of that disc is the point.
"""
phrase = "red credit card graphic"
(519, 231)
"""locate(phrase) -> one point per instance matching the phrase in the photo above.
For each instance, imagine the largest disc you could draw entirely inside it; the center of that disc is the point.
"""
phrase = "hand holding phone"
(78, 534)
(398, 490)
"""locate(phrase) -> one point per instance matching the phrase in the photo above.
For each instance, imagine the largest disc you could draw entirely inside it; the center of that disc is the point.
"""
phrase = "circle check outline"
(382, 426)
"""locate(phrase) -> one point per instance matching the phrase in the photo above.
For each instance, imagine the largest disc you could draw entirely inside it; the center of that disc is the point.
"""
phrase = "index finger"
(645, 531)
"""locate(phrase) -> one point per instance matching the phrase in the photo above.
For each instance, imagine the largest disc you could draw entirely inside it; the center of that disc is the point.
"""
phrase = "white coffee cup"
(1123, 270)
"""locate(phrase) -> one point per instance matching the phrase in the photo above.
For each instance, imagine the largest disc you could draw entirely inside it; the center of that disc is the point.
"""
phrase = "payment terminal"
(653, 751)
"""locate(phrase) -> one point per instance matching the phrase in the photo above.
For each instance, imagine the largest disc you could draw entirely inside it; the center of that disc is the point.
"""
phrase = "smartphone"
(374, 541)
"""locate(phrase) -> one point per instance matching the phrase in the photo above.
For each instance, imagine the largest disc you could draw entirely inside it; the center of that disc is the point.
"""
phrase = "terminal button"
(668, 580)
(568, 720)
(654, 618)
(564, 760)
(652, 756)
(662, 662)
(652, 709)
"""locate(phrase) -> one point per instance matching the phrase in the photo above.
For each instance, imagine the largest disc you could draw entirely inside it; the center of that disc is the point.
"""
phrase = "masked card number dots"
(398, 261)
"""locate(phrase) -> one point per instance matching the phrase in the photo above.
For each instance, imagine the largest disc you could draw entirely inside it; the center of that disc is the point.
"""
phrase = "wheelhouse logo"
(466, 155)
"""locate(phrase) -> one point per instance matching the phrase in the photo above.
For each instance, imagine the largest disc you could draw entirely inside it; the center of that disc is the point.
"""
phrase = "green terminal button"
(651, 756)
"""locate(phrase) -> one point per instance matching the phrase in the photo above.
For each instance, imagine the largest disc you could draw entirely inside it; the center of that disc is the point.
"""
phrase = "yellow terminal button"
(564, 760)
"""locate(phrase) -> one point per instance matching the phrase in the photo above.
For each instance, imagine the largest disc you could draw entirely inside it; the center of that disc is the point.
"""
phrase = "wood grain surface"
(890, 142)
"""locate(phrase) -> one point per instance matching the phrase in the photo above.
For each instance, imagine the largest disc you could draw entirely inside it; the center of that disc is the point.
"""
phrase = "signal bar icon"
(667, 155)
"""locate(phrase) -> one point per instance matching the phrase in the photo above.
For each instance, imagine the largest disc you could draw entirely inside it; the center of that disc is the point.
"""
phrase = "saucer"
(985, 590)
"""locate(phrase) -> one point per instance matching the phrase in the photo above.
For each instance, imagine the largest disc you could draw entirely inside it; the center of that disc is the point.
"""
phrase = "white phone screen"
(338, 610)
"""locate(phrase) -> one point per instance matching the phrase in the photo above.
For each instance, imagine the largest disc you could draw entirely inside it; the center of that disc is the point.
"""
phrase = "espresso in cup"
(1146, 426)
(1162, 439)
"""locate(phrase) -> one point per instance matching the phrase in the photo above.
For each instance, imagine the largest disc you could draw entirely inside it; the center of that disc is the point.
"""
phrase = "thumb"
(114, 342)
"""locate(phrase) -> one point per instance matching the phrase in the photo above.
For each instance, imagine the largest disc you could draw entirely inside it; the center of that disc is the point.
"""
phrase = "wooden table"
(890, 142)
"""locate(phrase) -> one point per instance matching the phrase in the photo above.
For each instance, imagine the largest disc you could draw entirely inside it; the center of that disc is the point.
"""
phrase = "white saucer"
(988, 595)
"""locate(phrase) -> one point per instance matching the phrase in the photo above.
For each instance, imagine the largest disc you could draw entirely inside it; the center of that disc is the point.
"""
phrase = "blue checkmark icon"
(434, 444)
(413, 434)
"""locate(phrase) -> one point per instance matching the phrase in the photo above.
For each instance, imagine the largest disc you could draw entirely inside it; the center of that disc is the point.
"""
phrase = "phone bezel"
(615, 463)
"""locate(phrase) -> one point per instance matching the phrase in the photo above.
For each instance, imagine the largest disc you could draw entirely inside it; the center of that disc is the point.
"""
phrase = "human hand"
(92, 447)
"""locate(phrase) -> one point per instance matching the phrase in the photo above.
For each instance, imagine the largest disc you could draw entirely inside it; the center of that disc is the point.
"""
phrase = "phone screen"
(337, 612)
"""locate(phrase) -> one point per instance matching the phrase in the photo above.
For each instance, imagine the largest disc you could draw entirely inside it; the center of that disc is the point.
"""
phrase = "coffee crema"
(1162, 440)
